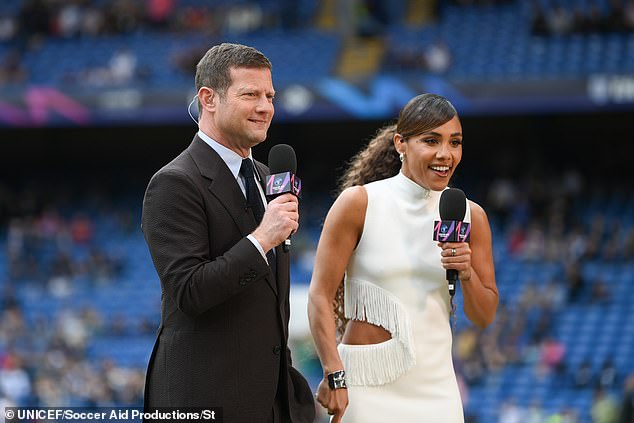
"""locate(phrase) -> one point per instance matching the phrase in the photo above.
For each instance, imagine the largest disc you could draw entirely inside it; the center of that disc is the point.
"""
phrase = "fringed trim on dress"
(377, 364)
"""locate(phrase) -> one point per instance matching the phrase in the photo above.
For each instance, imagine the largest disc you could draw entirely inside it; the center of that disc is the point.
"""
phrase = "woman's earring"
(401, 156)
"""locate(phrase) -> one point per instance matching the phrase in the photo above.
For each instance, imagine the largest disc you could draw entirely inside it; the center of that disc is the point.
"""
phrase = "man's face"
(243, 115)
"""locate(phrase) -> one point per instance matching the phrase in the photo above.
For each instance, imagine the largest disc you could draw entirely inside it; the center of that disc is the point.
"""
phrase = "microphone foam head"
(453, 204)
(282, 159)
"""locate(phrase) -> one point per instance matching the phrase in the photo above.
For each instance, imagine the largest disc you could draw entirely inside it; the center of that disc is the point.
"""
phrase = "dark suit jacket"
(224, 316)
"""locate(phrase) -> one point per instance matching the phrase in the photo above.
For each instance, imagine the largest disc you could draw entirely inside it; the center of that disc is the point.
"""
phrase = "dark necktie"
(254, 200)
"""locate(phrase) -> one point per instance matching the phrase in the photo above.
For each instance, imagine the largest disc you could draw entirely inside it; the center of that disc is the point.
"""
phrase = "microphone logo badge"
(452, 231)
(281, 183)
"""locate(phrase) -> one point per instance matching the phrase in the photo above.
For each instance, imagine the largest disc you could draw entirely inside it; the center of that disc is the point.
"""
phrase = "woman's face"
(432, 157)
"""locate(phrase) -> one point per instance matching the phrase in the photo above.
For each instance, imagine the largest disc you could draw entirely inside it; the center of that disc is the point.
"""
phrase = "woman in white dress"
(377, 263)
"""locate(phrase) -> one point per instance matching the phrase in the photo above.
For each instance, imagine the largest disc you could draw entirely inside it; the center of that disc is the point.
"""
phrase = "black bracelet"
(337, 380)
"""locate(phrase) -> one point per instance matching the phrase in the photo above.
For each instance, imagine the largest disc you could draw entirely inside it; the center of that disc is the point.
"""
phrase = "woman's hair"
(379, 159)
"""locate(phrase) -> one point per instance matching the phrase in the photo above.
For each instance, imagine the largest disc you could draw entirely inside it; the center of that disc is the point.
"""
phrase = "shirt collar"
(230, 157)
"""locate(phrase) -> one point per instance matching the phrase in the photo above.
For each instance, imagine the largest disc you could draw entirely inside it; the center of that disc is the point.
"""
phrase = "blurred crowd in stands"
(39, 19)
(44, 362)
(43, 358)
(542, 220)
(560, 20)
(26, 29)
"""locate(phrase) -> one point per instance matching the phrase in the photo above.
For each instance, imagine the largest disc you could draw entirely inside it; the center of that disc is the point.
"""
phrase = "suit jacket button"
(243, 282)
(277, 349)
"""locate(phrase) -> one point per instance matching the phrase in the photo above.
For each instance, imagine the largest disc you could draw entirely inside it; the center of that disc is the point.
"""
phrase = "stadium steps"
(361, 57)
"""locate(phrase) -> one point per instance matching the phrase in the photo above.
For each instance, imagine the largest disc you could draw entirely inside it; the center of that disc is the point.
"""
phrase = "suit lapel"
(224, 187)
(222, 184)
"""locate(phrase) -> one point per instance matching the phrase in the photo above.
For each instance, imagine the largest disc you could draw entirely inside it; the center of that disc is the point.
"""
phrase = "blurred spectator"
(534, 413)
(582, 20)
(81, 229)
(68, 19)
(434, 58)
(552, 357)
(14, 381)
(12, 71)
(628, 245)
(159, 12)
(600, 292)
(404, 58)
(123, 16)
(626, 412)
(608, 375)
(575, 282)
(8, 28)
(628, 16)
(539, 25)
(201, 20)
(502, 196)
(578, 20)
(437, 57)
(583, 377)
(559, 21)
(604, 408)
(244, 18)
(510, 412)
(553, 296)
(123, 67)
(535, 242)
(92, 21)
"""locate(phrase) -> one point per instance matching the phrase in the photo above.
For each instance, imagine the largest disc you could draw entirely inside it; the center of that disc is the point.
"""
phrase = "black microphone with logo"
(451, 227)
(283, 165)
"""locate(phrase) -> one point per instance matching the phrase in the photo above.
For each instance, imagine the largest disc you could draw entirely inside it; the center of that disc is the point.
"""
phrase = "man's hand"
(280, 220)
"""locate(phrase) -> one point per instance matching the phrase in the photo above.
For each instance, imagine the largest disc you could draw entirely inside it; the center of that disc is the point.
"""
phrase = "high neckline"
(412, 188)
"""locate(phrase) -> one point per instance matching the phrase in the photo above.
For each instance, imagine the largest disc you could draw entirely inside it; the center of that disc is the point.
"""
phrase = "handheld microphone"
(451, 228)
(283, 165)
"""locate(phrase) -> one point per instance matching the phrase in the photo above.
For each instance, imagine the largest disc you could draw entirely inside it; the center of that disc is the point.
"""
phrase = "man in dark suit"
(224, 280)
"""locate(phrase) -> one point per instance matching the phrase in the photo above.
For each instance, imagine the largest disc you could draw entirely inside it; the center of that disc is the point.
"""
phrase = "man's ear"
(207, 98)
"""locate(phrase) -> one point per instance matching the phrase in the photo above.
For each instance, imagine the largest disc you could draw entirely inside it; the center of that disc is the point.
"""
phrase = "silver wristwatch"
(337, 380)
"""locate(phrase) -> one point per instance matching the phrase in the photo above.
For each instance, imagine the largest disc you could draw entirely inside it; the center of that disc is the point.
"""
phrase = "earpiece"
(189, 109)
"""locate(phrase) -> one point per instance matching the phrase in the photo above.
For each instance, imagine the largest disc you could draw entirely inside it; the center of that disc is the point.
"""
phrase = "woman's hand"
(457, 256)
(334, 401)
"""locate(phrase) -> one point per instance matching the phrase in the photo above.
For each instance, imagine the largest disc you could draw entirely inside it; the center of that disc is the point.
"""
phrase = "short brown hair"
(213, 70)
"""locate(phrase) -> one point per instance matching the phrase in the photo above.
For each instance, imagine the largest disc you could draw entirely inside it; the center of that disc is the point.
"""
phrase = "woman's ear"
(398, 140)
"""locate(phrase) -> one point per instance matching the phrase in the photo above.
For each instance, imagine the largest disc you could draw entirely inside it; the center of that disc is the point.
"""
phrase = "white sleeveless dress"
(395, 280)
